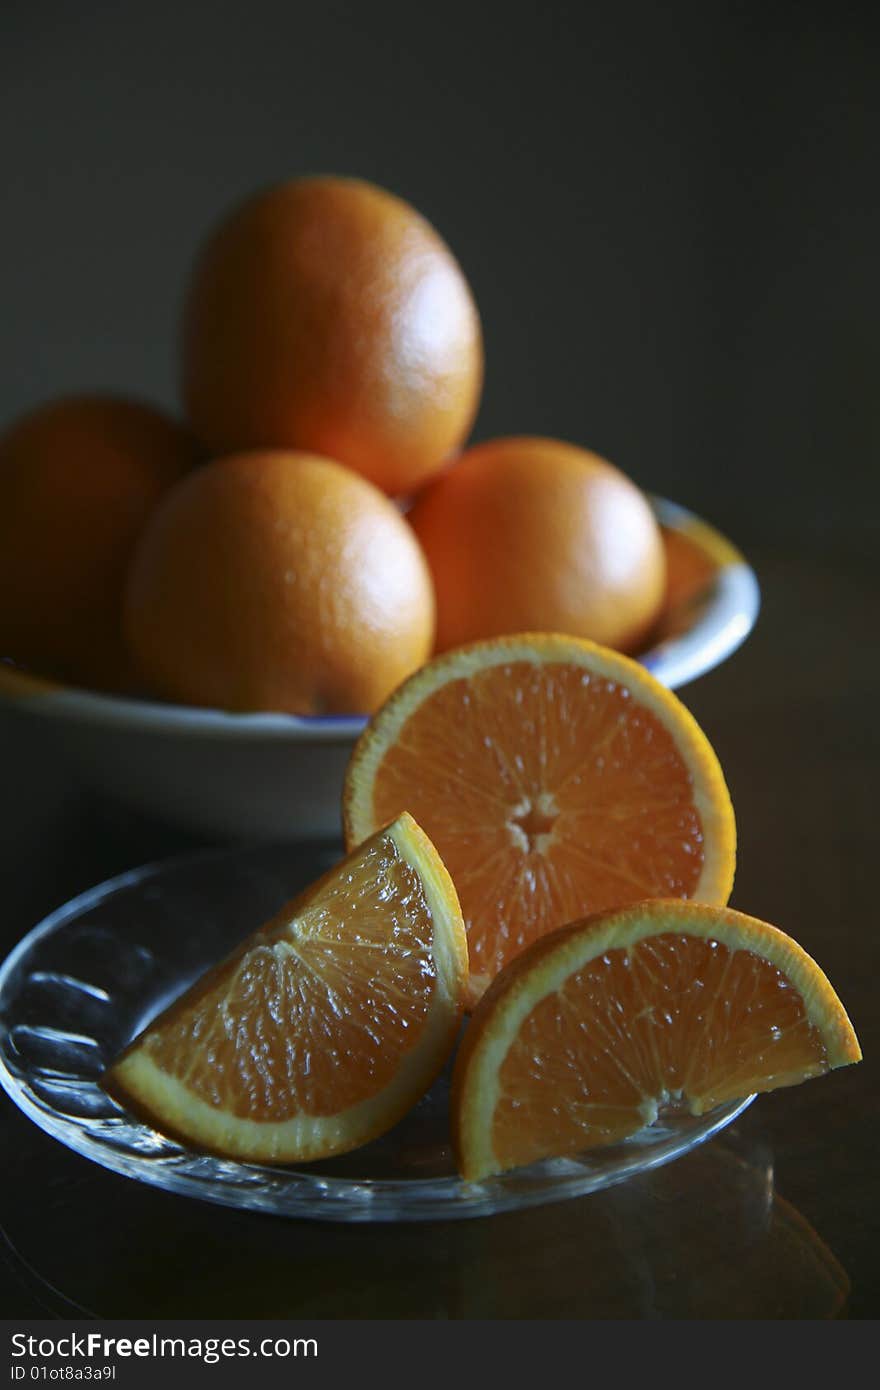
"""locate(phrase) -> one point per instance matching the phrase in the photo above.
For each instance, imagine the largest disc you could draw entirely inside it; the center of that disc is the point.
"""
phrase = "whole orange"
(278, 581)
(538, 535)
(78, 479)
(327, 315)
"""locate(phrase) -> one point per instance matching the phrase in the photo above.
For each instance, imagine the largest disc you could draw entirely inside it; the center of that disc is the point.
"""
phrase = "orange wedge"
(556, 777)
(601, 1026)
(325, 1026)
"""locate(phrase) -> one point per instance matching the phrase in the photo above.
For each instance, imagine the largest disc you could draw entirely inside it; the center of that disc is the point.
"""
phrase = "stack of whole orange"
(78, 479)
(332, 362)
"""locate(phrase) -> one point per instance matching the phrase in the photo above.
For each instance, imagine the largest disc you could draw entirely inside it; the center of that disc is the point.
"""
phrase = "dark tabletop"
(778, 1217)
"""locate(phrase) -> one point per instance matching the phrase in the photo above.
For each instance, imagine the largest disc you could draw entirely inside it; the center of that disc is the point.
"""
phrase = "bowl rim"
(724, 620)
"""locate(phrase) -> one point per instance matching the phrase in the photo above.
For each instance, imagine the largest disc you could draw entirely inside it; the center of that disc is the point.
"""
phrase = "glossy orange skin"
(278, 581)
(528, 534)
(327, 315)
(78, 479)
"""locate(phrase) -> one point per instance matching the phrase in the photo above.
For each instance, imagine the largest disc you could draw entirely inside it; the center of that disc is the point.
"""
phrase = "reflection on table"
(704, 1237)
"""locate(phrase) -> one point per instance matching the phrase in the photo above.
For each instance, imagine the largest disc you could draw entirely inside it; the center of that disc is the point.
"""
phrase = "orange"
(596, 1030)
(278, 581)
(327, 315)
(689, 570)
(527, 535)
(556, 778)
(324, 1027)
(78, 479)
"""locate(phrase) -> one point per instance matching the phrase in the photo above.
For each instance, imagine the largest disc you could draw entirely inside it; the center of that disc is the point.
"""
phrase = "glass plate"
(89, 977)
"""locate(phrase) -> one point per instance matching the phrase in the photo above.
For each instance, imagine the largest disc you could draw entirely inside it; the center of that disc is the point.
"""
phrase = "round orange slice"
(600, 1027)
(325, 1026)
(556, 777)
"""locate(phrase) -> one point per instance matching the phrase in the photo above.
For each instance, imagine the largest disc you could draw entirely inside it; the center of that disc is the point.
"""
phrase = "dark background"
(668, 213)
(670, 219)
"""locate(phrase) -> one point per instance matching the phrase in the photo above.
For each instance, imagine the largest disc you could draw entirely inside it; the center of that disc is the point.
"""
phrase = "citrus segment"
(556, 778)
(325, 1026)
(597, 1029)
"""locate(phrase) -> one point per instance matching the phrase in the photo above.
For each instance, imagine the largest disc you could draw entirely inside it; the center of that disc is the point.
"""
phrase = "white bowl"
(278, 776)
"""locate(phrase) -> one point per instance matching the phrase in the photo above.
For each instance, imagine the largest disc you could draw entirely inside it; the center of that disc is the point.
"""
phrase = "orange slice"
(556, 778)
(594, 1031)
(325, 1026)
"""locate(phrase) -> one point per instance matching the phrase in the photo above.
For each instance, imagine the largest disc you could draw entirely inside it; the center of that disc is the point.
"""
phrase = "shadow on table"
(704, 1237)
